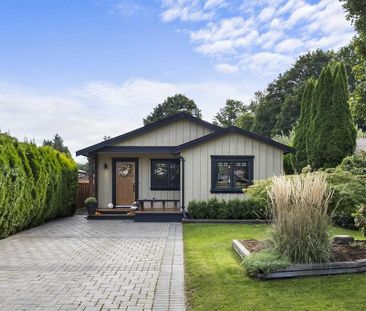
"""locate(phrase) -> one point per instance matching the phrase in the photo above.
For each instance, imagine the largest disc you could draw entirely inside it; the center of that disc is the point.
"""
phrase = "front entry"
(125, 181)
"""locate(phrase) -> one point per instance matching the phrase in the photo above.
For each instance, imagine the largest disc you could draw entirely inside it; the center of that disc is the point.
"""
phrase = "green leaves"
(172, 105)
(36, 184)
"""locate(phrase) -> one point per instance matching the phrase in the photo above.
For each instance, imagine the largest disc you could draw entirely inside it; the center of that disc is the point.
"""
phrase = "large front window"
(231, 173)
(165, 174)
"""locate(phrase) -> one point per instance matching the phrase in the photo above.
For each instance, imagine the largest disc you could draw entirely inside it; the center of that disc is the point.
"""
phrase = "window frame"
(226, 158)
(165, 161)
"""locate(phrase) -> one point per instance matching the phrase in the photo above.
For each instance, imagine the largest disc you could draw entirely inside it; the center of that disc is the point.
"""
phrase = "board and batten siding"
(169, 135)
(105, 178)
(268, 161)
(172, 134)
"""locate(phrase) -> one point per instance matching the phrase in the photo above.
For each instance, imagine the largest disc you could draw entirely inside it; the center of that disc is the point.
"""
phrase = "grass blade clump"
(300, 221)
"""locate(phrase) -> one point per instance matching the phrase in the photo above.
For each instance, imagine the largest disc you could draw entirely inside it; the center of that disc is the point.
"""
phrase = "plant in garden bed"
(360, 218)
(265, 261)
(231, 209)
(300, 220)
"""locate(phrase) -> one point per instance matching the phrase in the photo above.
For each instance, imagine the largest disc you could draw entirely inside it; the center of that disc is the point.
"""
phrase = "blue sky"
(90, 68)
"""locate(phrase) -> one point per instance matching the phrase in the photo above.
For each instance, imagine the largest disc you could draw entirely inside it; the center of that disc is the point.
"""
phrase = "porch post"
(91, 174)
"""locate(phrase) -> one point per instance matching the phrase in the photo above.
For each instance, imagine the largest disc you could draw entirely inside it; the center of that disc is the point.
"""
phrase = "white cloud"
(187, 10)
(266, 14)
(226, 68)
(282, 28)
(266, 63)
(289, 45)
(83, 116)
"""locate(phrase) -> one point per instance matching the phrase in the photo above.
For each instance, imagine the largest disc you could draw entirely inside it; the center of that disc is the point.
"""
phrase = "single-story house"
(179, 159)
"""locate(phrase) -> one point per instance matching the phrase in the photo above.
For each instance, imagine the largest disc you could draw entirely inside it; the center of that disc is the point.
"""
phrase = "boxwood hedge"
(36, 184)
(231, 209)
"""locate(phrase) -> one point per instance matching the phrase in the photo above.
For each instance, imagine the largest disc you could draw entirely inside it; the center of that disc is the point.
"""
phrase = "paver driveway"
(75, 264)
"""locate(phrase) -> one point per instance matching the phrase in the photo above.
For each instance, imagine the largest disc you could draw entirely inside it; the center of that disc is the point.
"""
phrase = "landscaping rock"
(342, 239)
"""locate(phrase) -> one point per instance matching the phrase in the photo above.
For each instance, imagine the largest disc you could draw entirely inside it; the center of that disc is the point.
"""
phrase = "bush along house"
(159, 168)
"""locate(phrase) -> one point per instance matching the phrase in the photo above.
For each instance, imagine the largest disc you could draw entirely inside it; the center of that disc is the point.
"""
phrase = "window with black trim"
(165, 174)
(231, 173)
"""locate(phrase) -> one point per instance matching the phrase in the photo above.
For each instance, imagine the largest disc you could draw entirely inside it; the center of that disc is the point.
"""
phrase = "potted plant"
(91, 204)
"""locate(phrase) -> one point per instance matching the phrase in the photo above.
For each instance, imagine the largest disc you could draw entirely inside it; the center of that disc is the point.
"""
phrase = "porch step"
(110, 216)
(158, 217)
(117, 210)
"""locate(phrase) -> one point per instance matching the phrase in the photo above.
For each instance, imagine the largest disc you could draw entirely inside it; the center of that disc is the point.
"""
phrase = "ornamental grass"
(300, 221)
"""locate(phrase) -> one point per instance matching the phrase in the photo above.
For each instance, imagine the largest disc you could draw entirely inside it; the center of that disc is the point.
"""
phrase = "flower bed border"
(300, 270)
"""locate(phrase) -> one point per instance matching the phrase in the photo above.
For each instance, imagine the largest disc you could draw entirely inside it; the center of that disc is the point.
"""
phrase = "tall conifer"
(342, 141)
(321, 124)
(300, 139)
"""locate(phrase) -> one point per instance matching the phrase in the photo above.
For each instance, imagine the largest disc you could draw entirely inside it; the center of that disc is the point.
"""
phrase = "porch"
(142, 214)
(142, 184)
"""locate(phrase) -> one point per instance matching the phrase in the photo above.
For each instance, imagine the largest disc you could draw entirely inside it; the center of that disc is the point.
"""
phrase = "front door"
(125, 182)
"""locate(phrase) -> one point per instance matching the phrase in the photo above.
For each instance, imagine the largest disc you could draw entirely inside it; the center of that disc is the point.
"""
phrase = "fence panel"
(84, 191)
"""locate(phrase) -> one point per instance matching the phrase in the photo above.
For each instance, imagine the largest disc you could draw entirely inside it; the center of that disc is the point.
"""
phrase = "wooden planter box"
(300, 270)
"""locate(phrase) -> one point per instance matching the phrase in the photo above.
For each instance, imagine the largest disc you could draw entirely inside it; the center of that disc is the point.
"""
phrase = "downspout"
(182, 185)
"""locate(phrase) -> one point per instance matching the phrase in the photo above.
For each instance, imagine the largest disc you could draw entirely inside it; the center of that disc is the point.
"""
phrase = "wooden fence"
(84, 191)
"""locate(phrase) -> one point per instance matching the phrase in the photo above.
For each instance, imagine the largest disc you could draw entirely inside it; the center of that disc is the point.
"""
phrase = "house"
(178, 159)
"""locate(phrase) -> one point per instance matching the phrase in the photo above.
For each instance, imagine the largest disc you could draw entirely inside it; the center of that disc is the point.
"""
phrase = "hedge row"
(232, 209)
(36, 184)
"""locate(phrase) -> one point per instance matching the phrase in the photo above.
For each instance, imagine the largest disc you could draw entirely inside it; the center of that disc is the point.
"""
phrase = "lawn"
(215, 279)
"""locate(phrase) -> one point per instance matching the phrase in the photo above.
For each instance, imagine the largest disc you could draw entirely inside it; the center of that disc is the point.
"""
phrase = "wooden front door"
(125, 182)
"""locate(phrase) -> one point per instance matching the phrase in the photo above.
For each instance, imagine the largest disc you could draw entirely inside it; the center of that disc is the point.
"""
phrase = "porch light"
(105, 166)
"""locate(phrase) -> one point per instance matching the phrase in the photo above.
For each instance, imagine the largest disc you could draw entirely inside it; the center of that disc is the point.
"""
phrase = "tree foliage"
(325, 134)
(170, 106)
(57, 143)
(278, 107)
(342, 141)
(356, 13)
(230, 113)
(36, 184)
(300, 137)
(245, 121)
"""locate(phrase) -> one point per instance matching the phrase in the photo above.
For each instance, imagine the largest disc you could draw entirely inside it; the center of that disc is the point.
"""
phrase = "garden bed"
(345, 258)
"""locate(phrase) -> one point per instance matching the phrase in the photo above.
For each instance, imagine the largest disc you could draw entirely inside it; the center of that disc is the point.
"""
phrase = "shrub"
(231, 209)
(265, 261)
(348, 193)
(360, 218)
(300, 221)
(355, 164)
(36, 184)
(90, 200)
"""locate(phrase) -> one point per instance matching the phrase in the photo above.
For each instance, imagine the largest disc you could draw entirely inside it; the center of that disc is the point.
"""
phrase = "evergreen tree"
(321, 125)
(300, 138)
(57, 143)
(342, 141)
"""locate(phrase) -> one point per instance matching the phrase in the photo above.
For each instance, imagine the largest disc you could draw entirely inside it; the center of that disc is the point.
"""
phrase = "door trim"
(114, 161)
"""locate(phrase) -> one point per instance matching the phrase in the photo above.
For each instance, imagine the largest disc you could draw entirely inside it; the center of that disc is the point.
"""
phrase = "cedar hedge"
(36, 184)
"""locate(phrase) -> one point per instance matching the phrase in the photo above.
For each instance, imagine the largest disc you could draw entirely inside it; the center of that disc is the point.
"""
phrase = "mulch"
(339, 252)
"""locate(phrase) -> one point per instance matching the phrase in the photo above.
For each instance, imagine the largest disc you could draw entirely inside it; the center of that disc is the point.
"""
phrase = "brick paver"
(75, 264)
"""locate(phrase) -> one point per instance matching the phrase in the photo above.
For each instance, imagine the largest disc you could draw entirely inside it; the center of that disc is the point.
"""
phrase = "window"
(231, 173)
(165, 174)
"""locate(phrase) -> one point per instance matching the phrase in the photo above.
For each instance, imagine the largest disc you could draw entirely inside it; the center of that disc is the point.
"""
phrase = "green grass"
(216, 280)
